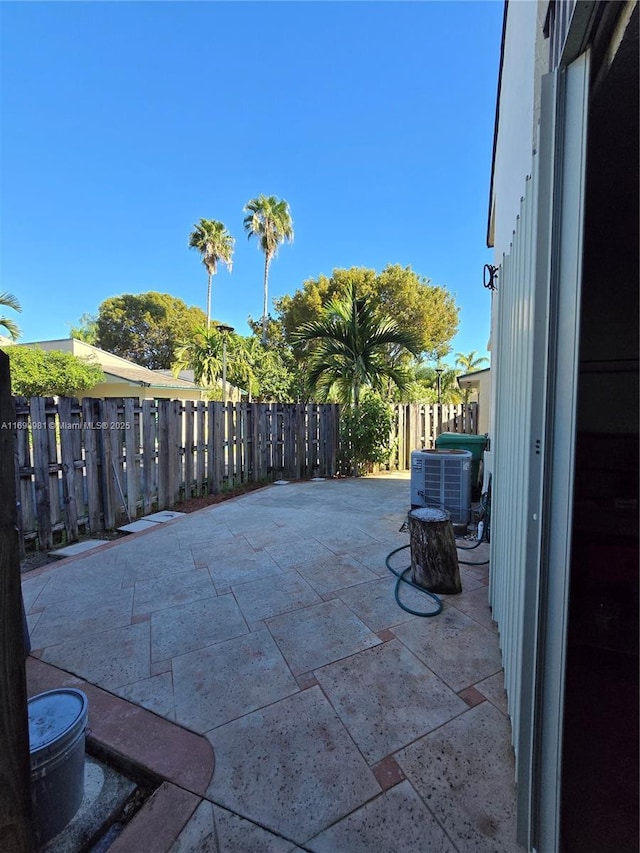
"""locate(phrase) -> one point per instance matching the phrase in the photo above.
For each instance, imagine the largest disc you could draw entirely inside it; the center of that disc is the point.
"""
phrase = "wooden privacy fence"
(417, 425)
(87, 466)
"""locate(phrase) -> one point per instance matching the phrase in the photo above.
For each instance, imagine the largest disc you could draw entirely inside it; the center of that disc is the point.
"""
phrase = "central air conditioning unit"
(442, 478)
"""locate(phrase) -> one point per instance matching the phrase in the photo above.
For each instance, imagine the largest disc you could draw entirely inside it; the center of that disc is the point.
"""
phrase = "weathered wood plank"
(218, 445)
(70, 507)
(164, 463)
(238, 413)
(245, 435)
(41, 471)
(78, 462)
(254, 447)
(132, 458)
(263, 440)
(200, 424)
(92, 465)
(114, 439)
(149, 456)
(24, 471)
(231, 439)
(176, 473)
(190, 487)
(302, 449)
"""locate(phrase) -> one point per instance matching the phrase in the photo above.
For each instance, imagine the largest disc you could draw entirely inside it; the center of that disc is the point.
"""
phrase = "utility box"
(475, 444)
(441, 478)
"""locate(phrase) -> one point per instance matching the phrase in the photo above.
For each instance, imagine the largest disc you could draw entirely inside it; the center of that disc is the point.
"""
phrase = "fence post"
(15, 772)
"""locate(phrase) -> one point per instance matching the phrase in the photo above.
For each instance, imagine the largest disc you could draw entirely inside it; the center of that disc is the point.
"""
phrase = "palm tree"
(202, 353)
(269, 219)
(469, 362)
(215, 244)
(352, 348)
(8, 300)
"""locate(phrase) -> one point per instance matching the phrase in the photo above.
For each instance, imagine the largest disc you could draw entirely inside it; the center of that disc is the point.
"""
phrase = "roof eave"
(491, 211)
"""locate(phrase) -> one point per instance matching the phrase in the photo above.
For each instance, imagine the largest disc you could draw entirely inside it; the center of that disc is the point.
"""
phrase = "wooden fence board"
(149, 456)
(189, 448)
(26, 504)
(70, 506)
(238, 412)
(131, 456)
(93, 483)
(41, 471)
(78, 464)
(263, 447)
(218, 445)
(201, 445)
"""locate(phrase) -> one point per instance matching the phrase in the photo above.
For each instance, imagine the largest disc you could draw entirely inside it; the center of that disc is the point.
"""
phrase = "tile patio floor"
(267, 624)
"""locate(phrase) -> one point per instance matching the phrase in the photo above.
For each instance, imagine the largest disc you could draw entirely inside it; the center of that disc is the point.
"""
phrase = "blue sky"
(125, 123)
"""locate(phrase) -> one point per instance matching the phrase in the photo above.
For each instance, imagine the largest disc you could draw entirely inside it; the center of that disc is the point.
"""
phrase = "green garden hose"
(401, 578)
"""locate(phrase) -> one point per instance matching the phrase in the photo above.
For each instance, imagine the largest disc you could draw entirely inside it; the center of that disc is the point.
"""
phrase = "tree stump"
(434, 559)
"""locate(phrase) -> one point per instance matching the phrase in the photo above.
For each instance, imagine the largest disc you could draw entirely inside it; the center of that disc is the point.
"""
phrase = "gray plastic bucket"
(57, 724)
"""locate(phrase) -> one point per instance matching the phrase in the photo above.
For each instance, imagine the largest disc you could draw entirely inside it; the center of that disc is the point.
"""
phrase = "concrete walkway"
(267, 625)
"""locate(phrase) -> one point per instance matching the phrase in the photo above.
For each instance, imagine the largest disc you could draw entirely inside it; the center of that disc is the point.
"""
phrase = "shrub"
(366, 433)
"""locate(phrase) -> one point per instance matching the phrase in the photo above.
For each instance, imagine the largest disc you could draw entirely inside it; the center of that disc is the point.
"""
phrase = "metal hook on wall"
(489, 276)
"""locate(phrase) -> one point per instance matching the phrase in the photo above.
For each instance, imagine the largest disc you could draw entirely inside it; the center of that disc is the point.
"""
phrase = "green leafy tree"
(352, 348)
(427, 311)
(46, 373)
(146, 328)
(365, 432)
(8, 300)
(86, 330)
(269, 220)
(215, 244)
(424, 385)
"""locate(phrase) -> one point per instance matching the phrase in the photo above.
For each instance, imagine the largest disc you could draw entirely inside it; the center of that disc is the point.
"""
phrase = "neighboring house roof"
(144, 376)
(472, 378)
(189, 375)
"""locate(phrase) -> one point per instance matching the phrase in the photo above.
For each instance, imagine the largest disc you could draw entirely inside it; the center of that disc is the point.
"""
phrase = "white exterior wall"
(513, 226)
(514, 143)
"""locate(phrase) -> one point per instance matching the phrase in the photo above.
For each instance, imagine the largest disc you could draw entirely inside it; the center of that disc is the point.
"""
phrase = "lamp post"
(224, 331)
(439, 372)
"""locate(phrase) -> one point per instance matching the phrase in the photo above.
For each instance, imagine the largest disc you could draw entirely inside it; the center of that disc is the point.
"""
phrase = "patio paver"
(368, 828)
(409, 699)
(454, 646)
(268, 624)
(320, 634)
(291, 767)
(465, 771)
(227, 680)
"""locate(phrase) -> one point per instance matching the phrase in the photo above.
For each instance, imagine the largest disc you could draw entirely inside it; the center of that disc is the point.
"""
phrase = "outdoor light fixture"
(225, 331)
(439, 372)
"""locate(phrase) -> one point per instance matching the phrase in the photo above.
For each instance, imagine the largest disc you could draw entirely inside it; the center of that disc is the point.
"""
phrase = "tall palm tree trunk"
(208, 299)
(265, 298)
